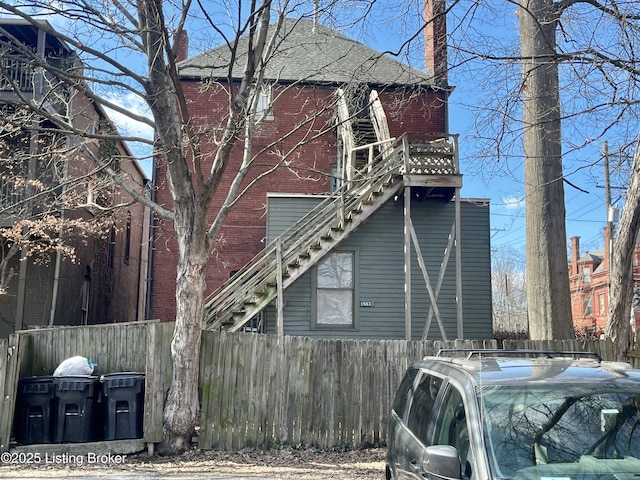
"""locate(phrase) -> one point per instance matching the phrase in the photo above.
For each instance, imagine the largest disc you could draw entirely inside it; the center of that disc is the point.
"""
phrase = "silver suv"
(495, 414)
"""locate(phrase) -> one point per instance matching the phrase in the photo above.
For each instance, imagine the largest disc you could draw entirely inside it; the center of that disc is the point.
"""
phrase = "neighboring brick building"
(589, 285)
(106, 282)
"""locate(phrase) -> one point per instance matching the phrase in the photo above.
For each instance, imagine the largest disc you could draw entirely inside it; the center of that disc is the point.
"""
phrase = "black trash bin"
(78, 416)
(34, 408)
(123, 404)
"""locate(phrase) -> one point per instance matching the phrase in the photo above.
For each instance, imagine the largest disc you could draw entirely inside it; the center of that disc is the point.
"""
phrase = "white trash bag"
(75, 366)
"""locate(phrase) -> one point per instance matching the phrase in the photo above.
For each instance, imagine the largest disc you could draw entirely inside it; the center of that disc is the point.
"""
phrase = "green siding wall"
(379, 244)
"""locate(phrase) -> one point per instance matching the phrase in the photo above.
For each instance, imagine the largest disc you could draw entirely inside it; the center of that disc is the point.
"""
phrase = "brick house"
(589, 285)
(107, 281)
(320, 93)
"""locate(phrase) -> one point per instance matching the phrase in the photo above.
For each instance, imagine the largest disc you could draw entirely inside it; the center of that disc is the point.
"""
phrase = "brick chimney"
(182, 46)
(435, 41)
(575, 255)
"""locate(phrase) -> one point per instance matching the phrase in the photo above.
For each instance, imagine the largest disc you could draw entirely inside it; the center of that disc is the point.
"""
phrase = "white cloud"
(513, 201)
(127, 125)
(130, 127)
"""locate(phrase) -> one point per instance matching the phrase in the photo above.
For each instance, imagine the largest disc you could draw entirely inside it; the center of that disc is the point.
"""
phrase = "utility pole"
(609, 213)
(607, 200)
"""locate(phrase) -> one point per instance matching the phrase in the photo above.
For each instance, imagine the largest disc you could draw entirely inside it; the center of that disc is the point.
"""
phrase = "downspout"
(149, 282)
(55, 288)
(145, 258)
(22, 281)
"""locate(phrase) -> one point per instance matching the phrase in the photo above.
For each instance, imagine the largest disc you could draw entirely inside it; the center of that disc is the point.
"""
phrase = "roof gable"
(311, 53)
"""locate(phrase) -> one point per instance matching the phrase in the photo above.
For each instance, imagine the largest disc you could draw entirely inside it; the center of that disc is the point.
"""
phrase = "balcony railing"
(9, 195)
(15, 70)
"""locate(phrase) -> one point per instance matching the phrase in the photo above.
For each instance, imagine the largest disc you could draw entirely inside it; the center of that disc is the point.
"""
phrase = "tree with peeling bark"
(620, 274)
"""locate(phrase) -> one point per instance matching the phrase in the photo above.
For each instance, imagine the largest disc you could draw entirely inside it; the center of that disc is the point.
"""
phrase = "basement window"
(335, 291)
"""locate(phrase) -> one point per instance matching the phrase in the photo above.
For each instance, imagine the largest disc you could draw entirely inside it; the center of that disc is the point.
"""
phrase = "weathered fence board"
(297, 390)
(9, 365)
(156, 345)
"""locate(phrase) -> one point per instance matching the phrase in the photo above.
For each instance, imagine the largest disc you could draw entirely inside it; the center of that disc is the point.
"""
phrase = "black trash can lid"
(36, 384)
(42, 379)
(121, 379)
(75, 382)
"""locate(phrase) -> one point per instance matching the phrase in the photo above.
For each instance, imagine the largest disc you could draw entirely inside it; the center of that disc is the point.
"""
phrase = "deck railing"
(9, 195)
(15, 72)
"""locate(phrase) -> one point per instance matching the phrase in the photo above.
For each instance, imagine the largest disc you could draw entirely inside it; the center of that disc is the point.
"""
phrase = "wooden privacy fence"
(8, 386)
(256, 390)
(633, 355)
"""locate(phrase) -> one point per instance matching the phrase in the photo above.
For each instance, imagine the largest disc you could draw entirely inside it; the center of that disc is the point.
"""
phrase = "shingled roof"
(311, 53)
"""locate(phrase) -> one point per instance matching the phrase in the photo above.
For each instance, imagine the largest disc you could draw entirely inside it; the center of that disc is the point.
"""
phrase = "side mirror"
(441, 461)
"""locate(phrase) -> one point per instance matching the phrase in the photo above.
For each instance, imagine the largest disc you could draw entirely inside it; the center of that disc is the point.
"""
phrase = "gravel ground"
(284, 463)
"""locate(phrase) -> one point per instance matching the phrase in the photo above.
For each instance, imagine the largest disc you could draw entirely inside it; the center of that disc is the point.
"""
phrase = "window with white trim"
(334, 302)
(601, 303)
(264, 107)
(587, 306)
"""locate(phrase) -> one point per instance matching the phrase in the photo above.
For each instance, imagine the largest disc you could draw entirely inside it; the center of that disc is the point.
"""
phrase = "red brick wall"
(313, 143)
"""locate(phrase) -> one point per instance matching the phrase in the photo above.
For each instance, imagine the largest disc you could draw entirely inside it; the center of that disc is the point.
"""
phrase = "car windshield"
(562, 431)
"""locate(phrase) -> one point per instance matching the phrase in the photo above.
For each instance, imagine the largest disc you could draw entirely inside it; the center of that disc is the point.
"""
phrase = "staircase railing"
(259, 276)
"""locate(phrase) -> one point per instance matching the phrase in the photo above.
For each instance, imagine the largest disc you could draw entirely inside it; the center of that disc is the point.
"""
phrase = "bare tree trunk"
(181, 412)
(192, 195)
(620, 275)
(548, 294)
(190, 224)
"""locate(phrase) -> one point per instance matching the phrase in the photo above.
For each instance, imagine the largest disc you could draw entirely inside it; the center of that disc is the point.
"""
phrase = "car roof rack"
(470, 352)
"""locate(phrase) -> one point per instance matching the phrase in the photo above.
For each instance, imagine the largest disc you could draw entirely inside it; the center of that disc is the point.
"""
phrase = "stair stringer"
(317, 256)
(255, 287)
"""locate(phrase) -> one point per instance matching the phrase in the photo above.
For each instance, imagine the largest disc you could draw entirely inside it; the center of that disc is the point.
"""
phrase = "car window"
(451, 426)
(421, 410)
(537, 428)
(404, 392)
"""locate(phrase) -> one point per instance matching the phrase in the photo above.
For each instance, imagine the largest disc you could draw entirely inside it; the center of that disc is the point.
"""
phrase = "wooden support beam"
(407, 264)
(280, 292)
(433, 298)
(459, 267)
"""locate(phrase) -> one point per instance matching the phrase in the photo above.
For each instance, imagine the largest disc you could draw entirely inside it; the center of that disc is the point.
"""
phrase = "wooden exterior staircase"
(285, 259)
